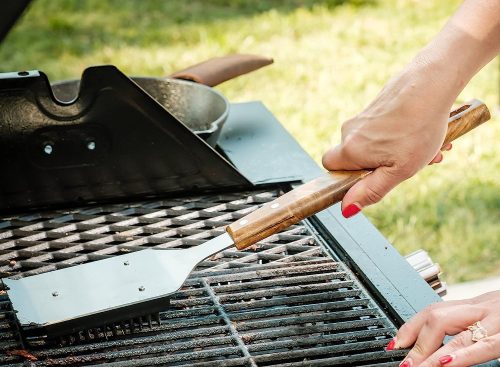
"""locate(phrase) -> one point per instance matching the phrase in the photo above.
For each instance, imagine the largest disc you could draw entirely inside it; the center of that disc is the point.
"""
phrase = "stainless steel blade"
(119, 281)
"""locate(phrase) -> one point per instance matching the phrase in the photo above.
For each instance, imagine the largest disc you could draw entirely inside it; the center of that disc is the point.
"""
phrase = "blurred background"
(331, 58)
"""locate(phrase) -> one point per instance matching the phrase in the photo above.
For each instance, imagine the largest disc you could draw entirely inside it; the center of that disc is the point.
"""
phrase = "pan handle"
(330, 188)
(220, 69)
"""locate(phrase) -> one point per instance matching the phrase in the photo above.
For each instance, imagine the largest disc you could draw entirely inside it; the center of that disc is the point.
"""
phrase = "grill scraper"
(104, 292)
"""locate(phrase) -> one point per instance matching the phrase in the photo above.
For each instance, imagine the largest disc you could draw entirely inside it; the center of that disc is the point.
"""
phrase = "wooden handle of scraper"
(330, 188)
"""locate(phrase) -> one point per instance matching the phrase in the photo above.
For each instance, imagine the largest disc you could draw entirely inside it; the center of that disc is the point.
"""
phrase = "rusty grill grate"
(282, 302)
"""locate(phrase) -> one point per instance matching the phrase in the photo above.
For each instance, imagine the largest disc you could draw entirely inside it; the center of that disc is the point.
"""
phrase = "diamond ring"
(478, 331)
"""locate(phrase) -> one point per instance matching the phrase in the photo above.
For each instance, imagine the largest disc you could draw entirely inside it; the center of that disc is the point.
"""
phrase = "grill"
(284, 302)
(323, 292)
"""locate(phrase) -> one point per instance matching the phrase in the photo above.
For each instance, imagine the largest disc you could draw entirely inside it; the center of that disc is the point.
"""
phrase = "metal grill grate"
(282, 302)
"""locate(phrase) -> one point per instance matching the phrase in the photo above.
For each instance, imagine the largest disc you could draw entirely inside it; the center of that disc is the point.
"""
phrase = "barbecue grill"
(324, 292)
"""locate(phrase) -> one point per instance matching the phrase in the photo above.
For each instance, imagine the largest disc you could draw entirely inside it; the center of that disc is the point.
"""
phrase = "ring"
(478, 331)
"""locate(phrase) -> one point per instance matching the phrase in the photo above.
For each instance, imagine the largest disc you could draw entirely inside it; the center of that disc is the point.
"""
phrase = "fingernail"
(446, 359)
(351, 210)
(406, 363)
(391, 345)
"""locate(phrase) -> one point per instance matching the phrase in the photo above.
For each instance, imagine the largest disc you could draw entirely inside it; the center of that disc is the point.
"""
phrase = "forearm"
(468, 41)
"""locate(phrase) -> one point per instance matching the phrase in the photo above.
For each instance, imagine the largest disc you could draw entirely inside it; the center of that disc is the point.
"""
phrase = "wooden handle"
(330, 188)
(220, 69)
(465, 118)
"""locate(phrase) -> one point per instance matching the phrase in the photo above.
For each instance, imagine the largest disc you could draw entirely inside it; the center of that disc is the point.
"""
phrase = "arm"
(403, 128)
(400, 132)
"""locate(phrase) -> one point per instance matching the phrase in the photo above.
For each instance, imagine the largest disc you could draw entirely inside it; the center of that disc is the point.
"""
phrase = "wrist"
(441, 79)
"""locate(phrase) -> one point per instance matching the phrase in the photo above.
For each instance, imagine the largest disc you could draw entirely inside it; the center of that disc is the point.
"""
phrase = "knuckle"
(347, 126)
(431, 309)
(419, 351)
(372, 195)
(434, 318)
(403, 171)
(349, 146)
(461, 340)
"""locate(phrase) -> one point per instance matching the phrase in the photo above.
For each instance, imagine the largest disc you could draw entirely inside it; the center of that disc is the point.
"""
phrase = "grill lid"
(111, 142)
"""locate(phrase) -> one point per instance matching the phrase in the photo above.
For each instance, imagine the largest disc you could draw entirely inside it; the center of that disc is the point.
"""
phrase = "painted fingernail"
(406, 363)
(446, 359)
(351, 210)
(391, 345)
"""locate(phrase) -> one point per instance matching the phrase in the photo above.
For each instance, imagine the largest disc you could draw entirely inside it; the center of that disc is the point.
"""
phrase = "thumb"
(369, 190)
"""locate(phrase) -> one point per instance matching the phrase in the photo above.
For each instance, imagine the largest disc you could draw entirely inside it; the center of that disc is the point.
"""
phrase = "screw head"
(142, 289)
(55, 294)
(126, 263)
(91, 145)
(48, 149)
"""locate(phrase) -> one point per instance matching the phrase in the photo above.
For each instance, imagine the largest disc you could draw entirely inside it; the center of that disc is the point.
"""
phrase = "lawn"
(331, 58)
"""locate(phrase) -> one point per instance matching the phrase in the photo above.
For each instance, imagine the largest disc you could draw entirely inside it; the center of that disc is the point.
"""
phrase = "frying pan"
(187, 94)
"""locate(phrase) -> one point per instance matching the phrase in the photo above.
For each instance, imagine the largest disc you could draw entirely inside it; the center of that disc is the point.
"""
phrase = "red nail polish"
(405, 364)
(446, 359)
(350, 210)
(391, 345)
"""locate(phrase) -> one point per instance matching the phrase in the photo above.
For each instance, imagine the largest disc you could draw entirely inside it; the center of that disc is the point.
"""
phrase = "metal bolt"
(243, 222)
(47, 148)
(55, 294)
(91, 145)
(126, 263)
(142, 289)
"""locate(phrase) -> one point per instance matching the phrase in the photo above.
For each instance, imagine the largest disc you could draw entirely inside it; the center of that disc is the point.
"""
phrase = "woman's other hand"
(426, 331)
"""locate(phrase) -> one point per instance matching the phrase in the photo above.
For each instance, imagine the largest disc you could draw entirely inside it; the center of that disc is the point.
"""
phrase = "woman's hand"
(402, 130)
(427, 329)
(399, 133)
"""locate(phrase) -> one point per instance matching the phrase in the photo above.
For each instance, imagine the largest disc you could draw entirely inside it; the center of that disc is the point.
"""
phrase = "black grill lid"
(113, 141)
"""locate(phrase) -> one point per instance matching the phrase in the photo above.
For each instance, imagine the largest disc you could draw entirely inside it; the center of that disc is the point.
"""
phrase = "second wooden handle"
(330, 188)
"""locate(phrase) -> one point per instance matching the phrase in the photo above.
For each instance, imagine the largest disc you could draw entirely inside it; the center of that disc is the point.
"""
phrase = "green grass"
(331, 58)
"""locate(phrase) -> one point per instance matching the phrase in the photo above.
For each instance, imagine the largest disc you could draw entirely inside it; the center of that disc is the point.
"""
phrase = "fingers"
(370, 190)
(435, 324)
(437, 159)
(439, 156)
(408, 333)
(484, 350)
(462, 341)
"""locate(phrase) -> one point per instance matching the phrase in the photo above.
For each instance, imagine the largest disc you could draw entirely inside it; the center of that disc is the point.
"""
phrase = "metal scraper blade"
(103, 292)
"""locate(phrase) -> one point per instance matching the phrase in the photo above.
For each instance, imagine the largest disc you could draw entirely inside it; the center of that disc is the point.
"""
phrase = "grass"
(331, 58)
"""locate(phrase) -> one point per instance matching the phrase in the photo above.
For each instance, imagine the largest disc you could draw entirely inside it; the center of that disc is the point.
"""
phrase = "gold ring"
(478, 331)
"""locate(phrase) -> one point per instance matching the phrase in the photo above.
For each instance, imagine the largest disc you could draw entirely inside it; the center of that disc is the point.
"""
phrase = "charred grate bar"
(41, 242)
(282, 302)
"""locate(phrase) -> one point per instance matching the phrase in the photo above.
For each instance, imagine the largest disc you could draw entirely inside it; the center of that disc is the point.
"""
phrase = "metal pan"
(199, 107)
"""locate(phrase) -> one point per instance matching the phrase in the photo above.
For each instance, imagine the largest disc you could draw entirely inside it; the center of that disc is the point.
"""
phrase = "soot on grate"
(282, 302)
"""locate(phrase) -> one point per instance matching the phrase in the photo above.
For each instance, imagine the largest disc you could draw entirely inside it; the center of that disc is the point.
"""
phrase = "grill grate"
(282, 302)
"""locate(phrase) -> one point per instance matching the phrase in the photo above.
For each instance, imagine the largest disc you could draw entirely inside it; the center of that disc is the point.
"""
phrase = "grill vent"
(282, 302)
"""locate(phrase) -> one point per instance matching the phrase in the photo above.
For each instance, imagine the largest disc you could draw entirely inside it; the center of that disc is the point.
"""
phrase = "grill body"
(323, 292)
(281, 302)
